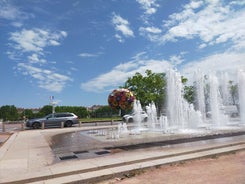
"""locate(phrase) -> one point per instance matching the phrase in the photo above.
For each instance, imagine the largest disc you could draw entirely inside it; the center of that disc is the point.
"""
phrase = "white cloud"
(120, 73)
(46, 79)
(153, 30)
(35, 40)
(121, 26)
(150, 6)
(8, 11)
(87, 55)
(152, 33)
(11, 12)
(210, 21)
(229, 62)
(17, 24)
(63, 33)
(194, 4)
(238, 2)
(119, 38)
(35, 58)
(176, 59)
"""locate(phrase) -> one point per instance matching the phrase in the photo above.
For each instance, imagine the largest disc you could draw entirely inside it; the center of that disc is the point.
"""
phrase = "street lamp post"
(52, 103)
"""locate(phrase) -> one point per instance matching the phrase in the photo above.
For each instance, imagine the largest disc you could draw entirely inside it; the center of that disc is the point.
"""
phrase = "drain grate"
(68, 157)
(80, 152)
(102, 152)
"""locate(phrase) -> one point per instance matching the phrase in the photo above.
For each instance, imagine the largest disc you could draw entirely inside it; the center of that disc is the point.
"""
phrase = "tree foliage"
(45, 110)
(104, 112)
(148, 88)
(81, 112)
(8, 113)
(189, 91)
(151, 88)
(189, 94)
(27, 113)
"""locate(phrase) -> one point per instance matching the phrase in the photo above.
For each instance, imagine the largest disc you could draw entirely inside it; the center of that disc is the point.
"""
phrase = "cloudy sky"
(80, 50)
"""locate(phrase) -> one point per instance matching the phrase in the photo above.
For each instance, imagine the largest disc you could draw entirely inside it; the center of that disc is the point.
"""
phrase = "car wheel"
(68, 123)
(130, 120)
(145, 119)
(36, 125)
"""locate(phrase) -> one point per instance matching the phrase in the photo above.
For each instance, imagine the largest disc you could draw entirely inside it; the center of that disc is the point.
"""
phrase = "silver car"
(129, 118)
(54, 120)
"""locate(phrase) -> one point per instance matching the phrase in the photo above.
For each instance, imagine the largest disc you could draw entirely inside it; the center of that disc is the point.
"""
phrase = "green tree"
(104, 112)
(81, 112)
(9, 113)
(45, 110)
(148, 88)
(27, 113)
(189, 94)
(189, 91)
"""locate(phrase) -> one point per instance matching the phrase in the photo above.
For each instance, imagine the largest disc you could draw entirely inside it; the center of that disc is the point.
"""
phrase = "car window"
(49, 116)
(59, 115)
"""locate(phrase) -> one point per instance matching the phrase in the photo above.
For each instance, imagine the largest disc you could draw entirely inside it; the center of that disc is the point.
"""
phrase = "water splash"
(180, 113)
(241, 86)
(208, 111)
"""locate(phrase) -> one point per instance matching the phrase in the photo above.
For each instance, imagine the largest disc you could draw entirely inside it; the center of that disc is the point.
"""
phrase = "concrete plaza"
(26, 157)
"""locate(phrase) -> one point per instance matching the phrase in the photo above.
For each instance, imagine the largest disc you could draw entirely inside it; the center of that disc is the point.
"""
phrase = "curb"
(7, 144)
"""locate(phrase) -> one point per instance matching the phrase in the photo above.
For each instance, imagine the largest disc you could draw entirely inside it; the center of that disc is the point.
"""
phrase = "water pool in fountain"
(98, 142)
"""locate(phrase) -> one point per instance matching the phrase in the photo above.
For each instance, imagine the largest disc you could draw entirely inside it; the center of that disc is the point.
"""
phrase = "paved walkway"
(26, 157)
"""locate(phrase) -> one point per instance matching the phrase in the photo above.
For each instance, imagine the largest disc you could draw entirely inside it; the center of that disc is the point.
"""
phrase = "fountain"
(241, 86)
(180, 114)
(208, 111)
(200, 96)
(217, 117)
(225, 94)
(205, 119)
(152, 115)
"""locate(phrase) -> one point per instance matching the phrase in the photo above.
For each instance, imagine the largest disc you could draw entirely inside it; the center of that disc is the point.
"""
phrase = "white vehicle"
(129, 118)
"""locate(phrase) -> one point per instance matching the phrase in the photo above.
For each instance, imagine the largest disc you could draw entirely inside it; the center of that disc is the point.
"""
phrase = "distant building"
(34, 110)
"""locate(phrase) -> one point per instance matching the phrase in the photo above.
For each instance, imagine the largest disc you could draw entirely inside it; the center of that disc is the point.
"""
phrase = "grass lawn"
(100, 119)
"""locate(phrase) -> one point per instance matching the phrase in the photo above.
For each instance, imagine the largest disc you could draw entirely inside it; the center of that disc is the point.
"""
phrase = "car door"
(51, 121)
(59, 117)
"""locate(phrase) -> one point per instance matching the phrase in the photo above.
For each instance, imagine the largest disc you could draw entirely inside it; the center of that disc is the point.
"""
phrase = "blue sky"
(80, 50)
